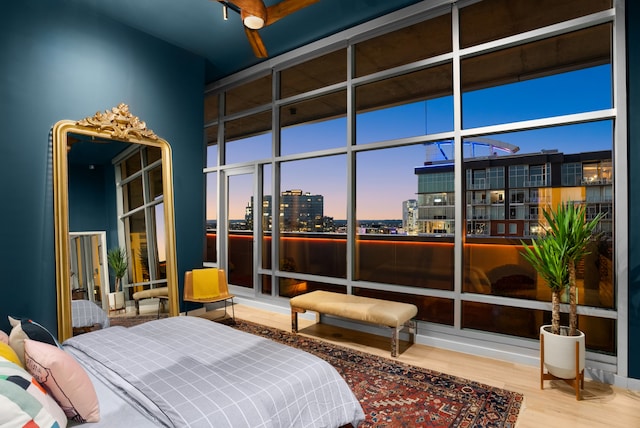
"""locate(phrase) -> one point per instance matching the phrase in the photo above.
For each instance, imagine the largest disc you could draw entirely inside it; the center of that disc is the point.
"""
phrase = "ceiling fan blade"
(256, 43)
(284, 8)
(251, 7)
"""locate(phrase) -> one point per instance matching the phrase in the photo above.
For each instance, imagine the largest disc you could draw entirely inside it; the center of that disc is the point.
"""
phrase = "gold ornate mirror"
(117, 124)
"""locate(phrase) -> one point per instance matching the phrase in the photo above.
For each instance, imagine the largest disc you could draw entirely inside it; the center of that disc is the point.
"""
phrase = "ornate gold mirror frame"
(117, 124)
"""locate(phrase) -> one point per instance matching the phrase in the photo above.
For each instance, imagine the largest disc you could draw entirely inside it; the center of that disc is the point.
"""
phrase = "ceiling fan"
(255, 15)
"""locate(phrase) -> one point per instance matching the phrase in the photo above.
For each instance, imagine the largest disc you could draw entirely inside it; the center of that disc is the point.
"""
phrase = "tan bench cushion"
(376, 311)
(152, 292)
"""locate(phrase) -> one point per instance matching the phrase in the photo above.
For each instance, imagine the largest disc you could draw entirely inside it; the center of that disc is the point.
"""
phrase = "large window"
(414, 163)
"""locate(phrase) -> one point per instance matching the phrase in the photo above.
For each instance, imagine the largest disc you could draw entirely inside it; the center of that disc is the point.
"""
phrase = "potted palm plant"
(118, 262)
(554, 256)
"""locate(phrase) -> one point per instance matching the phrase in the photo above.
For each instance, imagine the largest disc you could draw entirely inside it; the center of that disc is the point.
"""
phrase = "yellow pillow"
(8, 353)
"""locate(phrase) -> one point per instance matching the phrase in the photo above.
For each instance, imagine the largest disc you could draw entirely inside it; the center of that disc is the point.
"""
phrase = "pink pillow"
(64, 378)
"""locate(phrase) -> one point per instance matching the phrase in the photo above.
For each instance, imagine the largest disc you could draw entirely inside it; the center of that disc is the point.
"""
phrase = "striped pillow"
(24, 402)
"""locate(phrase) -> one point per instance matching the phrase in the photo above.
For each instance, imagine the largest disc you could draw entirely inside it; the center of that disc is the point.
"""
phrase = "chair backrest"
(223, 287)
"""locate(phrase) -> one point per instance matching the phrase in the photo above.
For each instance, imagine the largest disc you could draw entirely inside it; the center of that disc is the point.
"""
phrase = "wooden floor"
(555, 406)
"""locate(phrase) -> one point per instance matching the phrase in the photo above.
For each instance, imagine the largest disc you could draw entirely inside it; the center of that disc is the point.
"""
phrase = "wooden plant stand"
(577, 382)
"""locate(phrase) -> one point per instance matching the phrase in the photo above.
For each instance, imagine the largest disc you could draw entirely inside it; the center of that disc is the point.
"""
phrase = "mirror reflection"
(89, 276)
(115, 242)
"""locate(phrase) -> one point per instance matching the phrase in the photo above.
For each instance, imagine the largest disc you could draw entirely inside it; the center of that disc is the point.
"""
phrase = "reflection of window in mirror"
(139, 188)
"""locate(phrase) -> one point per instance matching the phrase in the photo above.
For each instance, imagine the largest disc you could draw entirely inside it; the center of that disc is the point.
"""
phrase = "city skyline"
(390, 172)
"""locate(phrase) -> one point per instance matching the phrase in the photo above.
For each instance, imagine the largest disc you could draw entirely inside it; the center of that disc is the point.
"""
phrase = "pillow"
(24, 402)
(9, 354)
(25, 328)
(4, 338)
(64, 378)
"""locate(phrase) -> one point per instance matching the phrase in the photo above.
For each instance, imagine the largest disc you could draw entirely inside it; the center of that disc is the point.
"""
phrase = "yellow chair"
(208, 285)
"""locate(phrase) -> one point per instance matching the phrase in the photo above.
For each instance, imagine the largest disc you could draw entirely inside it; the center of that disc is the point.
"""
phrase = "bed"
(191, 372)
(87, 316)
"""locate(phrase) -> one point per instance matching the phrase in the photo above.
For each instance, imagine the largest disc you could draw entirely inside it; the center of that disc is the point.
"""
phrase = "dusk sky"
(385, 178)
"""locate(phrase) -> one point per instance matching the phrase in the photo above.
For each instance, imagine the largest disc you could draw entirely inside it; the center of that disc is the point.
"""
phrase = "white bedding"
(191, 372)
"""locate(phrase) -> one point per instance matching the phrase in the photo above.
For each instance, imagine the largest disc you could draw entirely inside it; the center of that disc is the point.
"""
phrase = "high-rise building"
(301, 211)
(410, 216)
(505, 195)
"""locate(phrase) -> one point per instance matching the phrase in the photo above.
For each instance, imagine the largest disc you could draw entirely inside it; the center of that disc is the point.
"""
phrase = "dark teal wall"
(58, 62)
(92, 203)
(633, 63)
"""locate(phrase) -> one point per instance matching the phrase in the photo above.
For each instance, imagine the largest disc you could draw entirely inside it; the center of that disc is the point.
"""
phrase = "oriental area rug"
(394, 394)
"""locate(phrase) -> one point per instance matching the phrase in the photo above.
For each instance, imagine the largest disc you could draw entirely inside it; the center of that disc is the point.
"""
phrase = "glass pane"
(315, 124)
(416, 103)
(248, 138)
(507, 191)
(211, 254)
(161, 247)
(211, 135)
(240, 216)
(267, 217)
(265, 284)
(400, 240)
(494, 19)
(133, 195)
(155, 183)
(131, 165)
(550, 77)
(600, 332)
(211, 107)
(312, 209)
(314, 74)
(249, 95)
(291, 288)
(406, 45)
(135, 225)
(153, 154)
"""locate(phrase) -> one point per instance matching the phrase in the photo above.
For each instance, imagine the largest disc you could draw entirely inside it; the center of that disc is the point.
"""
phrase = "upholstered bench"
(161, 292)
(395, 315)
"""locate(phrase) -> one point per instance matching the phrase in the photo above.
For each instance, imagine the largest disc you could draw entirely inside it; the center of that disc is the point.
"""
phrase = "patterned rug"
(394, 394)
(128, 321)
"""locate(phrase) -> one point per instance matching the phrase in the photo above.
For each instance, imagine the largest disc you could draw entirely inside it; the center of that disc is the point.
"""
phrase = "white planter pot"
(560, 353)
(116, 301)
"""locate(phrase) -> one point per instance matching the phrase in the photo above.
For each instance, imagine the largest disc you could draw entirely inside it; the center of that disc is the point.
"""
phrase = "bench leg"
(294, 318)
(395, 341)
(395, 336)
(411, 325)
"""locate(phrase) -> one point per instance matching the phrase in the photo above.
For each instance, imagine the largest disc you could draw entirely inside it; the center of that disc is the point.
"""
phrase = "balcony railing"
(424, 262)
